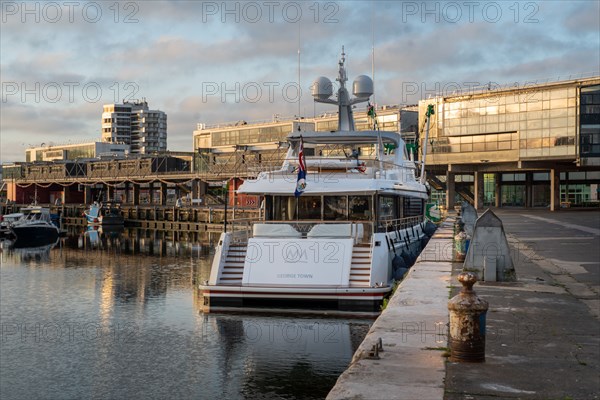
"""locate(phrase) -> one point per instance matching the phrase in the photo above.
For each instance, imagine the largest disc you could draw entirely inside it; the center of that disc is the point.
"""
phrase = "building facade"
(135, 124)
(530, 146)
(76, 151)
(240, 147)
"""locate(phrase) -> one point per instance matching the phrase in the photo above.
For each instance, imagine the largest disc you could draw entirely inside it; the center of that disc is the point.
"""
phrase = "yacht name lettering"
(294, 276)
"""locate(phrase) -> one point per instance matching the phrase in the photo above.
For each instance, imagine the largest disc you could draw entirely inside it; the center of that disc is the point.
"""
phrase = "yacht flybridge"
(337, 216)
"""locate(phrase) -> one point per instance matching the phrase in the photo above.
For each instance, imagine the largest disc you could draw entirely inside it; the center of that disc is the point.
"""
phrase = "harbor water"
(116, 315)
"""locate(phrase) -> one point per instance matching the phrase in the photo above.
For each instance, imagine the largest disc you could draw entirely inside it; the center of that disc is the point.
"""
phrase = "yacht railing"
(391, 225)
(360, 231)
(363, 168)
(240, 229)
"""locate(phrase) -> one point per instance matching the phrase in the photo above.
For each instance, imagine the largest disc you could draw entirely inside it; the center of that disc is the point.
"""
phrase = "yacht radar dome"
(322, 88)
(362, 87)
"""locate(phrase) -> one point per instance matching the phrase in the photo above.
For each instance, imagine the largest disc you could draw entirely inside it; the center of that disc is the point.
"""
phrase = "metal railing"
(242, 230)
(391, 225)
(495, 87)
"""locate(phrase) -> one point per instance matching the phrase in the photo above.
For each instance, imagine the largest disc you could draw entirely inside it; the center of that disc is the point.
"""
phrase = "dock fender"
(430, 228)
(398, 264)
(407, 257)
(399, 273)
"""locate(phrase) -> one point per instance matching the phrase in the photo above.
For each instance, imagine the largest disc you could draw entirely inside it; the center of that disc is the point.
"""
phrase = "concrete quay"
(413, 331)
(543, 331)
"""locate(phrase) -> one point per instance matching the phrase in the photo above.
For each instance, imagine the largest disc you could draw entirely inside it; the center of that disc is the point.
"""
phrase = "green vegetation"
(445, 350)
(387, 299)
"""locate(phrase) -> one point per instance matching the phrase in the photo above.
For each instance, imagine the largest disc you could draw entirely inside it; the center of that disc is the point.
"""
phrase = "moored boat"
(34, 228)
(343, 218)
(104, 214)
(6, 221)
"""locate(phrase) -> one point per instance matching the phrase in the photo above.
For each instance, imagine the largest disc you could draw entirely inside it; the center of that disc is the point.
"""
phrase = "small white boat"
(34, 228)
(104, 214)
(6, 221)
(337, 229)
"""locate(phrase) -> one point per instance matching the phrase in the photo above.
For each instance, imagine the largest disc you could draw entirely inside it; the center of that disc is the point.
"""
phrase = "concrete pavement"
(543, 331)
(565, 244)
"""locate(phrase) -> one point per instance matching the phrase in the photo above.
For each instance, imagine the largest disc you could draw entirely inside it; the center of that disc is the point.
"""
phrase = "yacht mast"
(362, 86)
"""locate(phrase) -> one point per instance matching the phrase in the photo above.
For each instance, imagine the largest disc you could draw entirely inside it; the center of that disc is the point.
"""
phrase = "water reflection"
(28, 254)
(139, 241)
(276, 356)
(113, 314)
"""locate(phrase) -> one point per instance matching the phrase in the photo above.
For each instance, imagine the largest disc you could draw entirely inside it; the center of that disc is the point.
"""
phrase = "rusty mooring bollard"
(459, 241)
(467, 322)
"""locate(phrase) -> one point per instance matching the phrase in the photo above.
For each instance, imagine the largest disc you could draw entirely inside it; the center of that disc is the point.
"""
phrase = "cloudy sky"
(219, 61)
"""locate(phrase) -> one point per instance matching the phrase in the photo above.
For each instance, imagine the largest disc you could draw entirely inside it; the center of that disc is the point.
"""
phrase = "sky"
(213, 62)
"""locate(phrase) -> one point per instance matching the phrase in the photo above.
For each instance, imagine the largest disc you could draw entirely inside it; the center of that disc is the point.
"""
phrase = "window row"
(341, 208)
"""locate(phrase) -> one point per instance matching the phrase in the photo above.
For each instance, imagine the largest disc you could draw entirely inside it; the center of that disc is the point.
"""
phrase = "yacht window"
(387, 208)
(335, 208)
(309, 207)
(413, 207)
(284, 208)
(267, 205)
(309, 152)
(359, 208)
(400, 207)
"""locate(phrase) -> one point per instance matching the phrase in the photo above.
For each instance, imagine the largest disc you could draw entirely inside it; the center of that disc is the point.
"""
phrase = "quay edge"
(413, 332)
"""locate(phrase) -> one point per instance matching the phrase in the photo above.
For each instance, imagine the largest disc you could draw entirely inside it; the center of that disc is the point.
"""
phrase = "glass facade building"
(75, 151)
(241, 148)
(521, 140)
(590, 121)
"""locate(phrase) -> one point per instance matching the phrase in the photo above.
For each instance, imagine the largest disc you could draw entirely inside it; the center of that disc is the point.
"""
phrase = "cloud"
(168, 52)
(584, 18)
(25, 125)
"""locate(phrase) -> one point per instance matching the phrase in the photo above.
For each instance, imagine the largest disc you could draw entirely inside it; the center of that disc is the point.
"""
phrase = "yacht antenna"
(346, 119)
(362, 89)
(299, 87)
(428, 114)
(373, 50)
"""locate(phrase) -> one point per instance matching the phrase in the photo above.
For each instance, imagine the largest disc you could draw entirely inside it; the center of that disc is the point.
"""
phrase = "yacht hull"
(308, 299)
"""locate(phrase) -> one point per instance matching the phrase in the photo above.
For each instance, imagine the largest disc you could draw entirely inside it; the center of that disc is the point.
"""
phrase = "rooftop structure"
(75, 151)
(236, 146)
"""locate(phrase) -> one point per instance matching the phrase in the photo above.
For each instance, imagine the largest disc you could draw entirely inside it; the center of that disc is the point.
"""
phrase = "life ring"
(362, 168)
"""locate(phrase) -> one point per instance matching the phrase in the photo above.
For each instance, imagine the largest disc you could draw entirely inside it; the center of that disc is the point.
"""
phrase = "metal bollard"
(459, 241)
(459, 226)
(467, 322)
(460, 246)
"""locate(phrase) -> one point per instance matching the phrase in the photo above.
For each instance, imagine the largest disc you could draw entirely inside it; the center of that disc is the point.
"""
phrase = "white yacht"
(338, 217)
